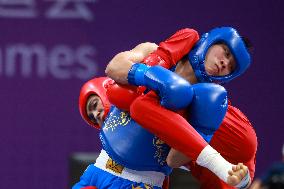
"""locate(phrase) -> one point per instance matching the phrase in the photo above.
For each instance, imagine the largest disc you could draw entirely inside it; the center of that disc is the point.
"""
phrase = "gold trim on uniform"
(146, 186)
(160, 152)
(115, 167)
(114, 121)
(125, 118)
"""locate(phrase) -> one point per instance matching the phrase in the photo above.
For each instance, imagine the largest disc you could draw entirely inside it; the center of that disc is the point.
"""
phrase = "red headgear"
(96, 86)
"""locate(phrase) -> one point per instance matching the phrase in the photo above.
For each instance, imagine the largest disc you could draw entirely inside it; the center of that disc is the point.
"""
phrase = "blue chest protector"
(131, 145)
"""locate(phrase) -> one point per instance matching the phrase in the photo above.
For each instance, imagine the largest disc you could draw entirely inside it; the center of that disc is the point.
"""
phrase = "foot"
(237, 173)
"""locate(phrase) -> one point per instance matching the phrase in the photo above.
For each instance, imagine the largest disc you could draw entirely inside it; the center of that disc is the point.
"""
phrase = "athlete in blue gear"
(219, 56)
(122, 152)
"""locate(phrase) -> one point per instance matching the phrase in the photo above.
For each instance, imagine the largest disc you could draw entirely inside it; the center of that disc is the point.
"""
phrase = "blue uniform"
(131, 157)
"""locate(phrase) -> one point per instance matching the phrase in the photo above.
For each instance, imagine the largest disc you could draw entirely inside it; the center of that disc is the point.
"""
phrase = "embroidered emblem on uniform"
(148, 186)
(125, 118)
(139, 187)
(161, 150)
(136, 187)
(114, 121)
(115, 167)
(158, 141)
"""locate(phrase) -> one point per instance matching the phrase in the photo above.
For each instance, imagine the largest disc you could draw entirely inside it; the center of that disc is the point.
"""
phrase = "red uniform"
(235, 139)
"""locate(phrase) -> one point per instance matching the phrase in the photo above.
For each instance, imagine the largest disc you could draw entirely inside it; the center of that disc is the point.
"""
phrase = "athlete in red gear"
(235, 139)
(94, 107)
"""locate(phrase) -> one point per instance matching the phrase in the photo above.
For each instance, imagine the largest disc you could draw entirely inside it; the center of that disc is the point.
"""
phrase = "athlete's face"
(219, 60)
(95, 109)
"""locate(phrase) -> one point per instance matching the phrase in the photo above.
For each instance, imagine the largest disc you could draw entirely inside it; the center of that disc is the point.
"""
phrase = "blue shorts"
(94, 176)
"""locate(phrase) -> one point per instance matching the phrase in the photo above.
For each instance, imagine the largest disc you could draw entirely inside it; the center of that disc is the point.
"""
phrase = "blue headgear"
(233, 40)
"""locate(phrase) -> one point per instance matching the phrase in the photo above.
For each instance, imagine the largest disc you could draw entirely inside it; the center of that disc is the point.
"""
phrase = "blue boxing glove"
(208, 108)
(175, 92)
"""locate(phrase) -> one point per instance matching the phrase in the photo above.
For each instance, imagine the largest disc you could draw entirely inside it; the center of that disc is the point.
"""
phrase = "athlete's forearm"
(119, 66)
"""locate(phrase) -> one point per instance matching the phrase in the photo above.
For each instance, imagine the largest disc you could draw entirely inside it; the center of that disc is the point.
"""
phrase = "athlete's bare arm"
(119, 66)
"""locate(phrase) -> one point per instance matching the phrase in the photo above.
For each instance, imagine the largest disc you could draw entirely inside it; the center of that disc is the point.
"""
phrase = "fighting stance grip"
(171, 88)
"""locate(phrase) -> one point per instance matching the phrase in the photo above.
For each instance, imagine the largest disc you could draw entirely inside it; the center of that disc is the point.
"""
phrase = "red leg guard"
(169, 126)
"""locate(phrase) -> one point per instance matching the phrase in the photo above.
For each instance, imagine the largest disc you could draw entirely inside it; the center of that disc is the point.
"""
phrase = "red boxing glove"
(122, 96)
(173, 49)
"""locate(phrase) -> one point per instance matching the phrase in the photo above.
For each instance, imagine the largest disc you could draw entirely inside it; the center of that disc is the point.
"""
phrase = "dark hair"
(248, 44)
(246, 41)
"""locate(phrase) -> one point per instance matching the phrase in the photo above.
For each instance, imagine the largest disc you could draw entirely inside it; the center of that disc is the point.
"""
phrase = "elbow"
(110, 68)
(115, 63)
(107, 70)
(112, 73)
(117, 69)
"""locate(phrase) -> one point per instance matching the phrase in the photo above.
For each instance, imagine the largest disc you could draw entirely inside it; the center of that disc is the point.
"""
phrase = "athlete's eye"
(95, 104)
(227, 52)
